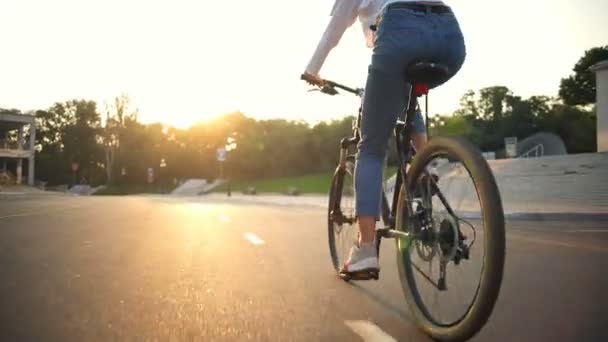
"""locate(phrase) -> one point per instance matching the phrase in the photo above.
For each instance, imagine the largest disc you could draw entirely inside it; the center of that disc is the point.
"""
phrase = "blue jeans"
(403, 37)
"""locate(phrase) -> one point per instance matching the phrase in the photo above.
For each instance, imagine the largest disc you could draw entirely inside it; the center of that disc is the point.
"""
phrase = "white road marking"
(225, 219)
(254, 239)
(369, 332)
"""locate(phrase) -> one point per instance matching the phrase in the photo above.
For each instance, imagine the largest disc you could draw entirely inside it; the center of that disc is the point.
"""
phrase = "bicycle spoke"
(445, 203)
(425, 276)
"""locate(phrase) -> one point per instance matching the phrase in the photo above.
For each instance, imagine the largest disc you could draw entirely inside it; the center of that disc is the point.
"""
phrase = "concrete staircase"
(195, 187)
(556, 184)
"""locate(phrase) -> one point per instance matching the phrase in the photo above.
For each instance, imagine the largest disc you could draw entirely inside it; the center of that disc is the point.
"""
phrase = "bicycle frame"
(405, 154)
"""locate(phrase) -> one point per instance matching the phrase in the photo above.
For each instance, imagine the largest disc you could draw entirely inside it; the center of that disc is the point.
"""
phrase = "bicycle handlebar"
(329, 87)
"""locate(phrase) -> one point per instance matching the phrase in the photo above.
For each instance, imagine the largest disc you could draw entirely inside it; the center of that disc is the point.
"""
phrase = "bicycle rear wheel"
(451, 270)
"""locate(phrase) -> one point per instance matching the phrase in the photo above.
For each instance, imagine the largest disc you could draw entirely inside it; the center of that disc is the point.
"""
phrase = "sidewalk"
(22, 190)
(512, 212)
(317, 201)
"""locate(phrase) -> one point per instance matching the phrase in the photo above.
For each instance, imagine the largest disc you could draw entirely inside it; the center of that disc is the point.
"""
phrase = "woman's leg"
(384, 101)
(401, 38)
(419, 137)
(367, 224)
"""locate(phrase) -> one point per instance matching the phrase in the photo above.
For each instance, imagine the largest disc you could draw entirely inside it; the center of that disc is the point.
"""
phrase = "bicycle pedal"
(383, 232)
(361, 275)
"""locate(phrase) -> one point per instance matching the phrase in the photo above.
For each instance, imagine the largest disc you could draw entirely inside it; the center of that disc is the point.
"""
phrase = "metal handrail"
(537, 151)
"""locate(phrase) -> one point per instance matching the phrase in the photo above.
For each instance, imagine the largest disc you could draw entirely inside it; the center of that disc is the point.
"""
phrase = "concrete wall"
(601, 70)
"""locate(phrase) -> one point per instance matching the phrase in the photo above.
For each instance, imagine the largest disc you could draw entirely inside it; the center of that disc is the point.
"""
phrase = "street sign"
(221, 154)
(511, 147)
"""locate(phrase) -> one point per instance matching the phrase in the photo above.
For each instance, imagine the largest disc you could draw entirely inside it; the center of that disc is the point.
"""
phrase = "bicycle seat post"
(426, 115)
(422, 75)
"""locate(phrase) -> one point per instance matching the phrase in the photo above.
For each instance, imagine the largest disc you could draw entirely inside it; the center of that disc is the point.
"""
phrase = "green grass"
(318, 183)
(122, 190)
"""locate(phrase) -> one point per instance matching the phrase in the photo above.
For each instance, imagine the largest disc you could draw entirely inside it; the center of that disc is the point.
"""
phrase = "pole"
(601, 70)
(31, 168)
(19, 171)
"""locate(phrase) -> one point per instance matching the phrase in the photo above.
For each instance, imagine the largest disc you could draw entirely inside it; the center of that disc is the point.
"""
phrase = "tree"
(117, 118)
(493, 101)
(80, 137)
(580, 88)
(540, 106)
(468, 105)
(12, 135)
(498, 113)
(575, 125)
(67, 133)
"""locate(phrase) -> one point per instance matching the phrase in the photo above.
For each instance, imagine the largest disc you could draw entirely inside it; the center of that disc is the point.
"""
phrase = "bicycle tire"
(337, 185)
(488, 194)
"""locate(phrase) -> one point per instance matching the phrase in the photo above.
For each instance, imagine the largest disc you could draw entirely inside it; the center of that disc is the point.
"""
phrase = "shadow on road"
(377, 298)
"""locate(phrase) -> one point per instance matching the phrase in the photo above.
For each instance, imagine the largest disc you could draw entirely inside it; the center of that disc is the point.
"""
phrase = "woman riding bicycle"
(400, 33)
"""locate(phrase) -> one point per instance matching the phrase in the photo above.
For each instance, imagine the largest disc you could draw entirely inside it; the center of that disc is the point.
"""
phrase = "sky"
(183, 61)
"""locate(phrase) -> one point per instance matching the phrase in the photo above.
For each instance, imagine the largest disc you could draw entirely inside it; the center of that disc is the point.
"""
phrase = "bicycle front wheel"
(341, 220)
(452, 267)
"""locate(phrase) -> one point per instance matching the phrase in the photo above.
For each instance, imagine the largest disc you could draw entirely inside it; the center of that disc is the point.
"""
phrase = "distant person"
(399, 33)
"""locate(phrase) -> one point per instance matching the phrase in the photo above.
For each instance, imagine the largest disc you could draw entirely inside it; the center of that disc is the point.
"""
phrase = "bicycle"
(446, 234)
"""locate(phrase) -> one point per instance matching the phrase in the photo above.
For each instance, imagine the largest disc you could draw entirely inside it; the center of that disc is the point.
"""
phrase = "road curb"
(573, 217)
(546, 216)
(31, 194)
(11, 193)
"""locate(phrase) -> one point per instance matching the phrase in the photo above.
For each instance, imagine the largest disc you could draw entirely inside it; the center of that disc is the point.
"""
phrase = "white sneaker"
(361, 259)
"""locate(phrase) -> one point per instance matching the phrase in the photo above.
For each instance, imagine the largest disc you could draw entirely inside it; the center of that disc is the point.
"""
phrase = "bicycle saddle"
(426, 73)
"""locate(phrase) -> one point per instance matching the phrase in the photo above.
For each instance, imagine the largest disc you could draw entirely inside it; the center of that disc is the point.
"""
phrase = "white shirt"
(343, 15)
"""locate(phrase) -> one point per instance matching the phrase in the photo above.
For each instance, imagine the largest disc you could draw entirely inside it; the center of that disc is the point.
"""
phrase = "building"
(13, 147)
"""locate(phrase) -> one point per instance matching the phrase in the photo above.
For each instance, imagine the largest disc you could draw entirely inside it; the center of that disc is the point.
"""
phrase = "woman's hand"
(313, 79)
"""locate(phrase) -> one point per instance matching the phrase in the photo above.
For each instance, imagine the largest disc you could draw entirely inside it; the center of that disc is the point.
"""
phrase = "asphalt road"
(142, 268)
